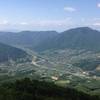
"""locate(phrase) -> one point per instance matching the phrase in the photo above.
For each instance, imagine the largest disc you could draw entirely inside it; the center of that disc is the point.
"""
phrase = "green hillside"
(27, 89)
(9, 52)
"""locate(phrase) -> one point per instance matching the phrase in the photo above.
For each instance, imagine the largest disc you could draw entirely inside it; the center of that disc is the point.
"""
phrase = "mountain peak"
(81, 29)
(88, 28)
(76, 38)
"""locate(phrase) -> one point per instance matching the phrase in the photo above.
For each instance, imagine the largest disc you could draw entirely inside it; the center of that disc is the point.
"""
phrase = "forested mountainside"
(78, 38)
(27, 89)
(28, 39)
(10, 53)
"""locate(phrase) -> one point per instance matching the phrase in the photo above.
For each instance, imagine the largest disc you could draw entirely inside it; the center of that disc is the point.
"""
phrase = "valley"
(50, 67)
(67, 67)
(49, 50)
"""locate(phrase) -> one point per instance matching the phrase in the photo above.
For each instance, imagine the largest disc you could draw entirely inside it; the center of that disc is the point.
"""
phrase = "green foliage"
(27, 89)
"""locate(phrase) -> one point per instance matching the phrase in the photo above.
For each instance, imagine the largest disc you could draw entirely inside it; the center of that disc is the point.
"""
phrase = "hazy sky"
(48, 14)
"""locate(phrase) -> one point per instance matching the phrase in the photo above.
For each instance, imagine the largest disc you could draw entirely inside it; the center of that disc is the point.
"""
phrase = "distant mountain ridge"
(76, 38)
(28, 39)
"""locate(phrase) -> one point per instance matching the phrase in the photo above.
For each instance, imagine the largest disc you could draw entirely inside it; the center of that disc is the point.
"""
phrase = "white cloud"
(24, 23)
(96, 24)
(56, 24)
(39, 23)
(69, 9)
(98, 5)
(96, 19)
(4, 22)
(83, 20)
(52, 23)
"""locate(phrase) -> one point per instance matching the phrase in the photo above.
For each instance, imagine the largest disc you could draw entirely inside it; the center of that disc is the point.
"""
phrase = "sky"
(59, 15)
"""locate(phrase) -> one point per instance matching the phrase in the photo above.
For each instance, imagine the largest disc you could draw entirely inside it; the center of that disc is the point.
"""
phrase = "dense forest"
(27, 89)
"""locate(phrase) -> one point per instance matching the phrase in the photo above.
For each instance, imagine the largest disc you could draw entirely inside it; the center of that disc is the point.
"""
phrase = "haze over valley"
(51, 56)
(49, 50)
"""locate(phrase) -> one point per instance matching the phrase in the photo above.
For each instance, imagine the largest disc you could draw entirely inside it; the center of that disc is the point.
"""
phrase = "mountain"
(78, 38)
(8, 52)
(28, 39)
